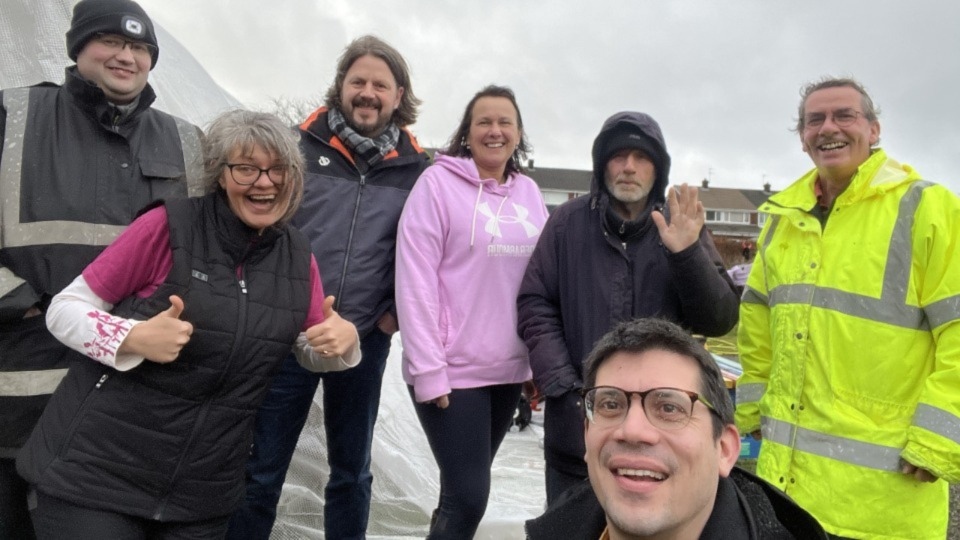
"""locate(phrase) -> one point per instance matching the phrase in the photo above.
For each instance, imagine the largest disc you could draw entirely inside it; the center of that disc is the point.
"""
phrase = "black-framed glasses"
(246, 174)
(666, 408)
(117, 43)
(842, 118)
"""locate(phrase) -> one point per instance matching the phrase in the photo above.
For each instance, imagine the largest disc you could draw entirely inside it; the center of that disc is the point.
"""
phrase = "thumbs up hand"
(160, 338)
(334, 336)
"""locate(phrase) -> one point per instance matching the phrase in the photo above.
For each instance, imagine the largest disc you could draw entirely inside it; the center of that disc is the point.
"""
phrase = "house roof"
(569, 180)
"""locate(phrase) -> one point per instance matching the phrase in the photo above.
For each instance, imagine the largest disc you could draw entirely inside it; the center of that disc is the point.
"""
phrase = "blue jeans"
(351, 400)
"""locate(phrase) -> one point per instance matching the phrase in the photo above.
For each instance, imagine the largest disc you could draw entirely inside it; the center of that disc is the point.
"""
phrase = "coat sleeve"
(754, 342)
(933, 439)
(420, 245)
(539, 319)
(707, 294)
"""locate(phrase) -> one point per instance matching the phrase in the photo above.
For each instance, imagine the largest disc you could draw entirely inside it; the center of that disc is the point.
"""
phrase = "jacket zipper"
(346, 255)
(205, 407)
(83, 407)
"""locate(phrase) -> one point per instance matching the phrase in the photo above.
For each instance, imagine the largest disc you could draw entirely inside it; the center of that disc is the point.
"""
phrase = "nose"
(636, 427)
(630, 164)
(263, 180)
(125, 54)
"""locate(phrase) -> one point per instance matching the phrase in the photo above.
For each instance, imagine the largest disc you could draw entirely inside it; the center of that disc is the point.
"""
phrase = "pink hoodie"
(462, 249)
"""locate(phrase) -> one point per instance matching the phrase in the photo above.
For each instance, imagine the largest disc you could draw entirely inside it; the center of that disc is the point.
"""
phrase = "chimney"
(530, 164)
(766, 187)
(705, 184)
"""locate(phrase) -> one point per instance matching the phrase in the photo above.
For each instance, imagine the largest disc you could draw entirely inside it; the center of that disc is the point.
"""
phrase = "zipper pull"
(102, 380)
(243, 286)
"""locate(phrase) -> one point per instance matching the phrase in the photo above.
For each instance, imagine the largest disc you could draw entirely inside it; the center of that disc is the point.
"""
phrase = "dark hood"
(648, 127)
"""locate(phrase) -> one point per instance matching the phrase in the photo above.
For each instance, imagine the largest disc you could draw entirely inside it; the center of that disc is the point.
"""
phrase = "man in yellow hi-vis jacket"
(850, 331)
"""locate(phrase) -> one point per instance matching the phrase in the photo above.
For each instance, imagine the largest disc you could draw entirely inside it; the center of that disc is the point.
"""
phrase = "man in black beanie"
(614, 256)
(77, 162)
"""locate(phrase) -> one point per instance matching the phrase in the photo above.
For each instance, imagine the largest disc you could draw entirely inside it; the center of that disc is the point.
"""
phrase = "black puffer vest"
(170, 441)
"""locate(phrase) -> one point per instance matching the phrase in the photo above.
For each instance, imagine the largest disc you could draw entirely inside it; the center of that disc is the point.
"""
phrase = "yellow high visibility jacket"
(850, 344)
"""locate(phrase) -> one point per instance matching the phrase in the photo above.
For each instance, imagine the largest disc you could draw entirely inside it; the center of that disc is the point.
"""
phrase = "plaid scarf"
(367, 152)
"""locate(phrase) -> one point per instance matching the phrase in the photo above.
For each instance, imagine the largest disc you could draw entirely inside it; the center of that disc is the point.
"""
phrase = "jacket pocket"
(161, 170)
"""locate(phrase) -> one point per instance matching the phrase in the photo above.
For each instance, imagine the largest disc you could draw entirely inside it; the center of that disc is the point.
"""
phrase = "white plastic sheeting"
(33, 49)
(405, 476)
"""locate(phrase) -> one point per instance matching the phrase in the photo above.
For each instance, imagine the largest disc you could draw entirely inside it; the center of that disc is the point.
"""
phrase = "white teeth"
(263, 198)
(833, 145)
(495, 145)
(641, 473)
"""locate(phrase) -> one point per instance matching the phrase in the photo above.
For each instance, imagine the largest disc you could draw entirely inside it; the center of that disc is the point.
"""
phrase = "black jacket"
(746, 508)
(84, 173)
(351, 218)
(583, 279)
(170, 441)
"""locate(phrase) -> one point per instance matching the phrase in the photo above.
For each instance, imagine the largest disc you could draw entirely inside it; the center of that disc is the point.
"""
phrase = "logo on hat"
(132, 27)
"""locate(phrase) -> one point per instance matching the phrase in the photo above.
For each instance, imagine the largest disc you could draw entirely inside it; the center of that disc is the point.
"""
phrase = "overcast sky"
(721, 77)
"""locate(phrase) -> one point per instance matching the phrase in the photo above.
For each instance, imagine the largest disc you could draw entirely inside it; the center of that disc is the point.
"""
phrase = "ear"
(399, 97)
(728, 449)
(874, 132)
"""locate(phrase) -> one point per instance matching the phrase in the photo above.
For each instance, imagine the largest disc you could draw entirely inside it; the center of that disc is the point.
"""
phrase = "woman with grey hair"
(186, 315)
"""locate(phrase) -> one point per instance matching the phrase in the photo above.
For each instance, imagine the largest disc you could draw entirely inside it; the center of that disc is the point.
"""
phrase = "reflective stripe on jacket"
(72, 176)
(850, 343)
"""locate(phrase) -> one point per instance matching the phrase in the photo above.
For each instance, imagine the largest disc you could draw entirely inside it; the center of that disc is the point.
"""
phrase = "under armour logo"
(323, 161)
(132, 27)
(494, 221)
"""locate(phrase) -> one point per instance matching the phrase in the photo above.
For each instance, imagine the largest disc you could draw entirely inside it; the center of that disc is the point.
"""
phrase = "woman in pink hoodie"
(466, 233)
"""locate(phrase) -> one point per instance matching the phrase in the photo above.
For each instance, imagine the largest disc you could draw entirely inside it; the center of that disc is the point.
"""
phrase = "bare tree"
(293, 110)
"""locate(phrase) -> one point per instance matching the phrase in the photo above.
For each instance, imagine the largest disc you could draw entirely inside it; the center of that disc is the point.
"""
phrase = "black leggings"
(57, 519)
(464, 439)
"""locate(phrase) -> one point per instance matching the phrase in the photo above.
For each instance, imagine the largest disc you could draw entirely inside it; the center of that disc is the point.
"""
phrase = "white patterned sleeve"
(82, 321)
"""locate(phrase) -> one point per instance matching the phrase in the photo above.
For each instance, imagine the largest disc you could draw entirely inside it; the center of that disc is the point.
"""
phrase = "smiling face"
(837, 151)
(120, 73)
(262, 203)
(494, 135)
(651, 481)
(369, 96)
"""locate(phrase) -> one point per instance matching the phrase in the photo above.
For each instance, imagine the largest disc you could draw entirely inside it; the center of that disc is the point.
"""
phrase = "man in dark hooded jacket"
(615, 256)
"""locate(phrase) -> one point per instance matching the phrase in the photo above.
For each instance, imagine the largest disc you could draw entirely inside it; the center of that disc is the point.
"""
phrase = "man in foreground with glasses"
(850, 331)
(661, 448)
(77, 162)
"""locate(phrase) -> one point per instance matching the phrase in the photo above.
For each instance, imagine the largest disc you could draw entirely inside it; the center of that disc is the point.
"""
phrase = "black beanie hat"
(122, 17)
(627, 136)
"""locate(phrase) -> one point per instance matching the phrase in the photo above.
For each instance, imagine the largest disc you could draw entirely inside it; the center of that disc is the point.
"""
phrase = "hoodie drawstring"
(476, 208)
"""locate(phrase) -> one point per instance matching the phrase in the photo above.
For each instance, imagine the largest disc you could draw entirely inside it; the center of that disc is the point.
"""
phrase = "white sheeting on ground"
(405, 476)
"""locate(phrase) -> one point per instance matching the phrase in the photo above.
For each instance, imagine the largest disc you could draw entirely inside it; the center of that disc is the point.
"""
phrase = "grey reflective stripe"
(753, 296)
(883, 310)
(862, 454)
(192, 158)
(891, 308)
(16, 234)
(750, 392)
(772, 228)
(9, 281)
(30, 383)
(938, 421)
(943, 311)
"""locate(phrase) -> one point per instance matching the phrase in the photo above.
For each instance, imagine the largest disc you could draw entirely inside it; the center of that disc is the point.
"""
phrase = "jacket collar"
(91, 98)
